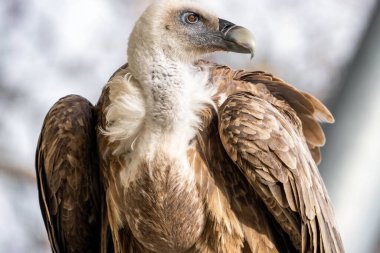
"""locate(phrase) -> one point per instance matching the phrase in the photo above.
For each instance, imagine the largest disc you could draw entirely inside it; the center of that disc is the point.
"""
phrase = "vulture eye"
(191, 17)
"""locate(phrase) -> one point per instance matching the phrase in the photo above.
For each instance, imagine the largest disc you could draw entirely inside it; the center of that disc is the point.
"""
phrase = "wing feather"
(67, 176)
(309, 109)
(236, 218)
(271, 132)
(279, 177)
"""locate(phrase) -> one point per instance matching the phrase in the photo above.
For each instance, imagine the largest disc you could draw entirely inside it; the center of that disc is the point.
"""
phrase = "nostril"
(225, 26)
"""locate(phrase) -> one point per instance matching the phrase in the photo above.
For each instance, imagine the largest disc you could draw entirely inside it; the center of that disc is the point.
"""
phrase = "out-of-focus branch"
(18, 173)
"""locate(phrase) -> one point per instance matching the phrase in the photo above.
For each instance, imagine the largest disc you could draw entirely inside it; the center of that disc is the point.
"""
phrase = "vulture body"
(184, 155)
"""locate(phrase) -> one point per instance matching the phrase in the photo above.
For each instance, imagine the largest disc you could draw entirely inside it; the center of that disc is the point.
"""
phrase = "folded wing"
(68, 176)
(271, 132)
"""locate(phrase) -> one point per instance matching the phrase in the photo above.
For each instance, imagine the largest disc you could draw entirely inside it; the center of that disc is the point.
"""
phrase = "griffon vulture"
(183, 155)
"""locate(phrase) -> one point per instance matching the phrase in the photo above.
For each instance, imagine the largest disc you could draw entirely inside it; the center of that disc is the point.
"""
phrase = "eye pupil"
(192, 18)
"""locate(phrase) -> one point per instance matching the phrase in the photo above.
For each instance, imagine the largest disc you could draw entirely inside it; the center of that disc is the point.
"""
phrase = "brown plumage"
(68, 176)
(123, 177)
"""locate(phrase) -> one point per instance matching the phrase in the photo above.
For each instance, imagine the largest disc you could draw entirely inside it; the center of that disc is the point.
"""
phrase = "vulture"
(183, 155)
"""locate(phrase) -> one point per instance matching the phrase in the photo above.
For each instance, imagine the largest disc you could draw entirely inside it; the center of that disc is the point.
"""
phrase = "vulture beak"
(237, 38)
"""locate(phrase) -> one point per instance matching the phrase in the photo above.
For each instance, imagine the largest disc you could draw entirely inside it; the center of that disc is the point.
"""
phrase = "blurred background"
(330, 48)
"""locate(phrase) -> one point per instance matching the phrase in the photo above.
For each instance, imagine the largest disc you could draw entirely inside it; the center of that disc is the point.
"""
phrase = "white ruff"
(125, 113)
(142, 124)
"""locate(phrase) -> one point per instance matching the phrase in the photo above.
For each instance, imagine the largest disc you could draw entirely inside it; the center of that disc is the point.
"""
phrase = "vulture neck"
(175, 92)
(165, 85)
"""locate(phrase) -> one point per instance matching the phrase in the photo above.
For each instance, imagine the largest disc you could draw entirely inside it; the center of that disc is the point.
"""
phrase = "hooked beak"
(237, 38)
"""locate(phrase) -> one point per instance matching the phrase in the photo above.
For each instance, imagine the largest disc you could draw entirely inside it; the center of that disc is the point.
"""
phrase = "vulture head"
(183, 32)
